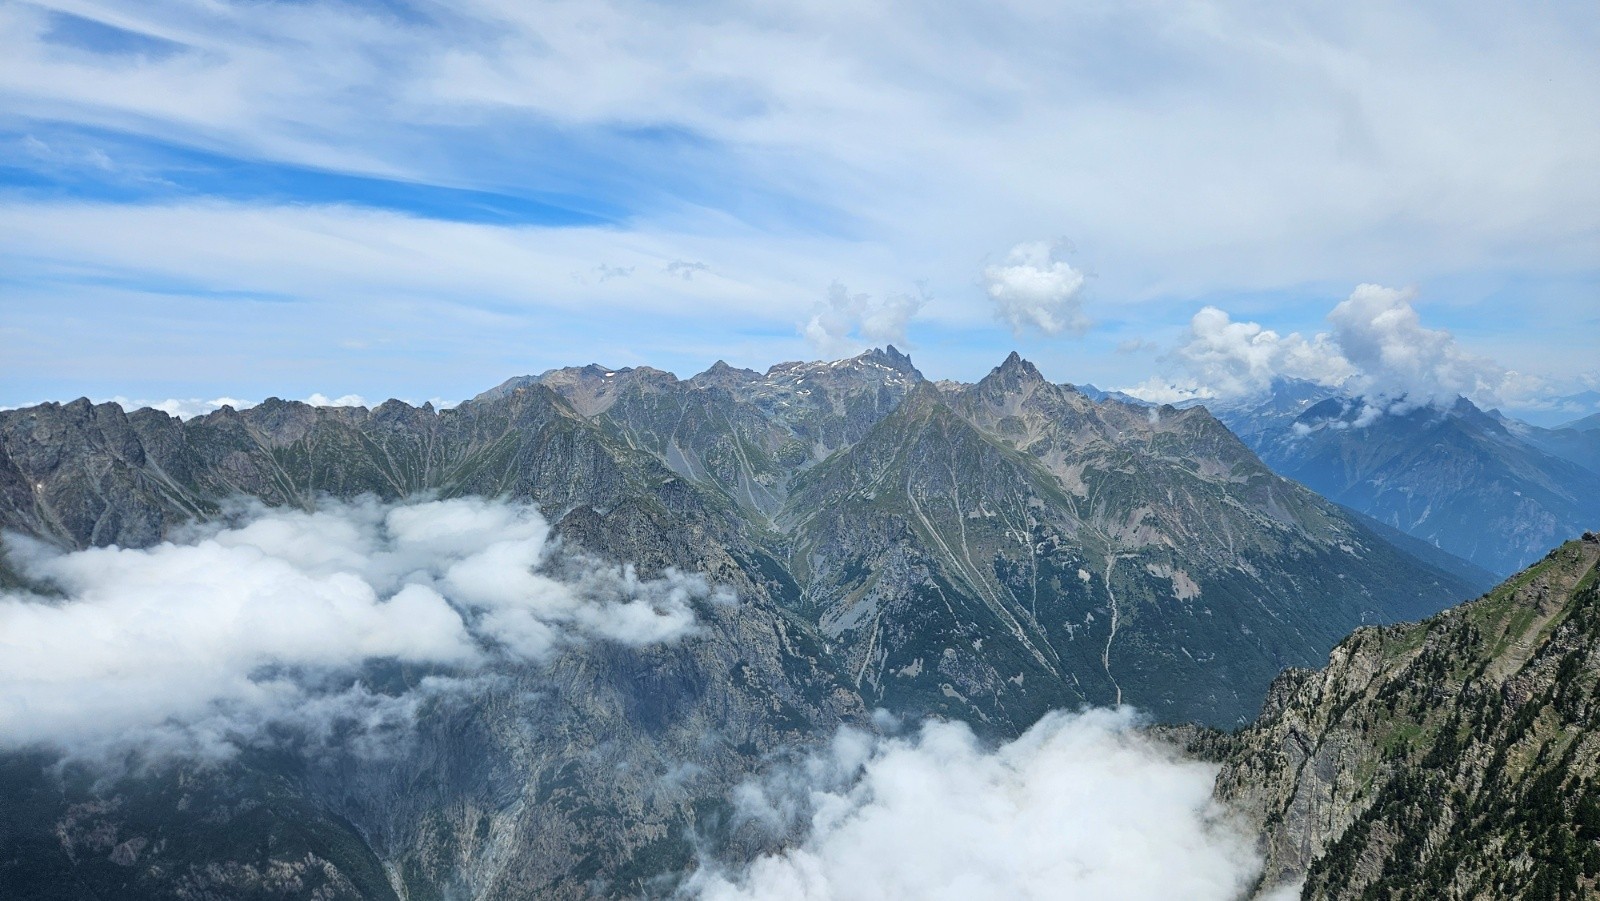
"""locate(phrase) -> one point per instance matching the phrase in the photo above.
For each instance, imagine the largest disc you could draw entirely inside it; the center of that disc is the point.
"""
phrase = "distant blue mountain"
(1577, 441)
(1590, 423)
(1491, 490)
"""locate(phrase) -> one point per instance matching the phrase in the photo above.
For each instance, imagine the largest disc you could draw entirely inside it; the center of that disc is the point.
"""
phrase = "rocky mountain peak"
(865, 371)
(592, 389)
(897, 364)
(891, 357)
(1015, 374)
(721, 375)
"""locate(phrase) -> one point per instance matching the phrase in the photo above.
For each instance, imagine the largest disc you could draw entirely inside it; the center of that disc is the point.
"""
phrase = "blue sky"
(419, 199)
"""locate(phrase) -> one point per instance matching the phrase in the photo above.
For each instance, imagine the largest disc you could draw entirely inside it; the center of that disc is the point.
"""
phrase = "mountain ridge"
(1455, 756)
(1111, 508)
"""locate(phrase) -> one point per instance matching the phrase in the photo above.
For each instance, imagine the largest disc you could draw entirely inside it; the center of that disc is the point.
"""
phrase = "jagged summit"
(1015, 373)
(888, 357)
(891, 357)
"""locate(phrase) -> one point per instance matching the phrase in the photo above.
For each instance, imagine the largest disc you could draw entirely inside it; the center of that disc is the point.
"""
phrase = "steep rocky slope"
(1453, 758)
(547, 784)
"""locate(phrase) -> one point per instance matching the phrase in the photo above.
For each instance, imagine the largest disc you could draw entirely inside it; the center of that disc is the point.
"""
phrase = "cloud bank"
(1034, 290)
(204, 641)
(1395, 357)
(1376, 348)
(1080, 806)
(190, 407)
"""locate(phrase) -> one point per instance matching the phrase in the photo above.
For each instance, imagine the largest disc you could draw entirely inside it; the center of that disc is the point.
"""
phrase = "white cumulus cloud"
(185, 407)
(1396, 359)
(1377, 349)
(228, 627)
(190, 407)
(845, 321)
(1035, 290)
(319, 399)
(1233, 358)
(1080, 806)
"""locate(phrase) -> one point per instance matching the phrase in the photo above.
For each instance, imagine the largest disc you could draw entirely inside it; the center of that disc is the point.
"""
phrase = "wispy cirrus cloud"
(1190, 151)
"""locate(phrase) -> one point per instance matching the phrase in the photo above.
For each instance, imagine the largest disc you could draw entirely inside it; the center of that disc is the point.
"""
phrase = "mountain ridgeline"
(985, 551)
(982, 552)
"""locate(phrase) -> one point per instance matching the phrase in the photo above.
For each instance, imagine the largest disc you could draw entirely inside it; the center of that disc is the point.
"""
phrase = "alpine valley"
(983, 553)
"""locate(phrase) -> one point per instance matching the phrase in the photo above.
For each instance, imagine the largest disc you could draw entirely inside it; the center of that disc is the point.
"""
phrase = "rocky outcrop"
(1454, 758)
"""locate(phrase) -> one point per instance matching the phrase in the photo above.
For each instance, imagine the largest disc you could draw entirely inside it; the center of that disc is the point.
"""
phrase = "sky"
(376, 198)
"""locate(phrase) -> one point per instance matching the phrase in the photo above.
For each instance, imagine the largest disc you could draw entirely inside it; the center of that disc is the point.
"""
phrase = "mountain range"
(1488, 489)
(981, 552)
(1092, 550)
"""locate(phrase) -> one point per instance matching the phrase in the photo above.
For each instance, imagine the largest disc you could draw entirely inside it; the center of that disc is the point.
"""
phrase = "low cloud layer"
(1035, 290)
(190, 407)
(1376, 348)
(199, 642)
(844, 322)
(1080, 806)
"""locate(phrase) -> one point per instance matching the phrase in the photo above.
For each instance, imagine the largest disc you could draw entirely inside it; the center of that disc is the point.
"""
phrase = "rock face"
(985, 552)
(1453, 758)
(1491, 491)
